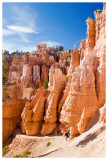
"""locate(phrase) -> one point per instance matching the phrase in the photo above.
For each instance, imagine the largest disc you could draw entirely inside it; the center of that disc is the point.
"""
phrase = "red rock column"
(75, 61)
(97, 25)
(82, 49)
(90, 40)
(27, 75)
(36, 75)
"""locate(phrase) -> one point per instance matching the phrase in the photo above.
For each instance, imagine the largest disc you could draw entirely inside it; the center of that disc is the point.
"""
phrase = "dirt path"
(89, 144)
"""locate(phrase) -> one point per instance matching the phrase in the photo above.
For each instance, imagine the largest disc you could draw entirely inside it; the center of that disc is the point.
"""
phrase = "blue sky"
(27, 24)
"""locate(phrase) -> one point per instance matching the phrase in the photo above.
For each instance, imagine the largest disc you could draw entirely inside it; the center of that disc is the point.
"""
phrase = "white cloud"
(21, 29)
(29, 48)
(24, 38)
(24, 15)
(7, 32)
(12, 47)
(9, 46)
(22, 20)
(51, 43)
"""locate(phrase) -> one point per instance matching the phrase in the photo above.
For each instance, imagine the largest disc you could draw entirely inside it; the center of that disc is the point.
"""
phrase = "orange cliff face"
(88, 81)
(43, 111)
(74, 102)
(73, 96)
(12, 109)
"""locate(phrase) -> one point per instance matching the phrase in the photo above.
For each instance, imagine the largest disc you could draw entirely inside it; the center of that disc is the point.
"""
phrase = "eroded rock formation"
(42, 111)
(87, 91)
(81, 99)
(33, 113)
(12, 109)
(76, 88)
(75, 61)
(56, 87)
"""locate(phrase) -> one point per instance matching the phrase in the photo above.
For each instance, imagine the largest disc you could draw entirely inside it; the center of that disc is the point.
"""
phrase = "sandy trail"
(89, 144)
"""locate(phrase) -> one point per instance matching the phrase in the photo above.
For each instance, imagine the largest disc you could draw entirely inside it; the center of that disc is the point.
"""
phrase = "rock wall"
(27, 75)
(42, 110)
(56, 87)
(100, 52)
(82, 49)
(33, 113)
(12, 109)
(75, 61)
(71, 100)
(87, 90)
(81, 98)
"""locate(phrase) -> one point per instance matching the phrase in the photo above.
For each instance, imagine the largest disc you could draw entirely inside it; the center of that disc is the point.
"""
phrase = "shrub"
(48, 144)
(4, 78)
(45, 84)
(4, 68)
(3, 100)
(4, 88)
(25, 155)
(6, 94)
(17, 156)
(4, 150)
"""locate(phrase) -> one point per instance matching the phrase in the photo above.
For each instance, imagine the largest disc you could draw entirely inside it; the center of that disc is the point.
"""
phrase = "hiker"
(58, 133)
(67, 134)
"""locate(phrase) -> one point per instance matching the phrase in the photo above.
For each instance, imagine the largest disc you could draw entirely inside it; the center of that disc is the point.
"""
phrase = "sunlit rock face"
(87, 91)
(90, 40)
(41, 112)
(32, 69)
(33, 113)
(100, 52)
(57, 84)
(71, 100)
(75, 61)
(15, 70)
(27, 75)
(44, 73)
(102, 118)
(82, 49)
(82, 95)
(12, 109)
(36, 75)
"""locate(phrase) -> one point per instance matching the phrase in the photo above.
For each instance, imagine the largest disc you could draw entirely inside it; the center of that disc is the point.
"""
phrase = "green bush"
(48, 144)
(4, 78)
(25, 155)
(45, 84)
(4, 88)
(3, 100)
(4, 68)
(18, 156)
(4, 150)
(6, 94)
